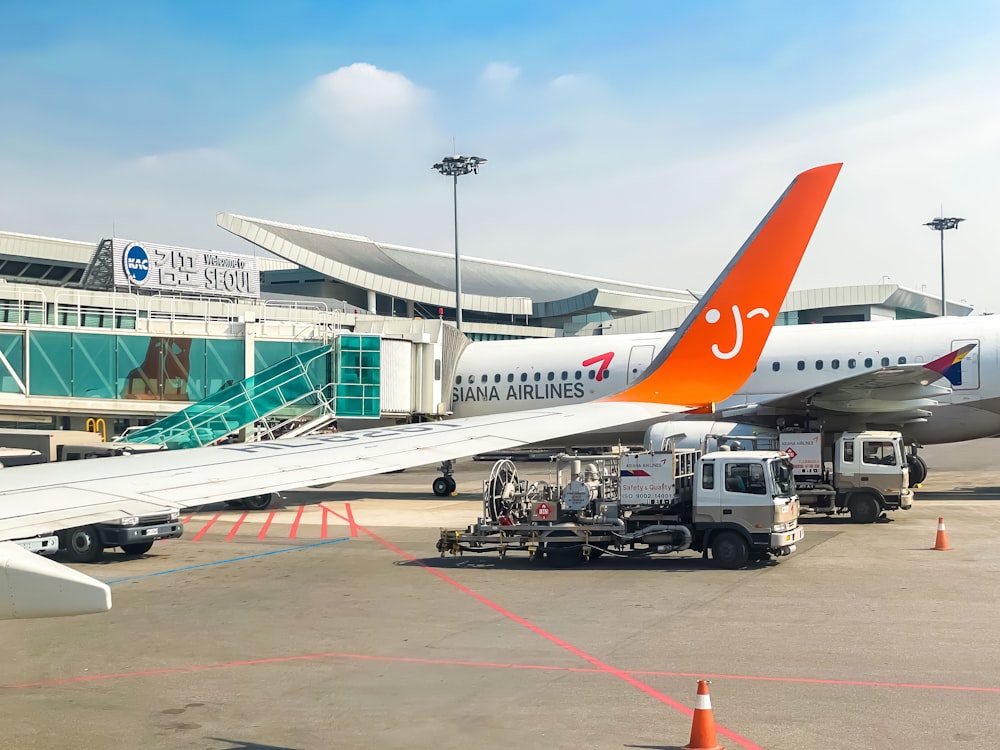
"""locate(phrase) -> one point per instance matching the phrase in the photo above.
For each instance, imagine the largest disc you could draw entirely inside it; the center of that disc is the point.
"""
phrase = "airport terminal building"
(129, 330)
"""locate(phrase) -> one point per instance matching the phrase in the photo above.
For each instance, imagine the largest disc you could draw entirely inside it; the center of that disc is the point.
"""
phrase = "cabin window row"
(523, 377)
(852, 363)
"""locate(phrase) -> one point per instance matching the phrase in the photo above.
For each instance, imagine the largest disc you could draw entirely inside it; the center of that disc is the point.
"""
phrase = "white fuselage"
(501, 376)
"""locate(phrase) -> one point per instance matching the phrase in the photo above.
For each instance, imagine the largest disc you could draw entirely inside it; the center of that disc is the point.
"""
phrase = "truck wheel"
(864, 507)
(442, 487)
(563, 553)
(257, 502)
(730, 550)
(139, 548)
(918, 469)
(83, 544)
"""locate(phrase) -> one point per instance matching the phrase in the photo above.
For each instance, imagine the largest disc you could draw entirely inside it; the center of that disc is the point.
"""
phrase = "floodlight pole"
(940, 224)
(455, 166)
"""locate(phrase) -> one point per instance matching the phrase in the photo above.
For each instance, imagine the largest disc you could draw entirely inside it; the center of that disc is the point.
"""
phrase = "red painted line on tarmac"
(350, 520)
(236, 526)
(192, 515)
(267, 525)
(322, 527)
(206, 527)
(492, 665)
(295, 523)
(602, 666)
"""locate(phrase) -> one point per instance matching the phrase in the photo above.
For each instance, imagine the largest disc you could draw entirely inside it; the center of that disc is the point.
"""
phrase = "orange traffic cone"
(702, 723)
(941, 542)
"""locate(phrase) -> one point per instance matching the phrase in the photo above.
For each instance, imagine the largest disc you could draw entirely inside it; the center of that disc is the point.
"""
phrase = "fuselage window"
(551, 376)
(852, 363)
(800, 365)
(834, 364)
(565, 375)
(510, 377)
(484, 378)
(538, 376)
(606, 374)
(496, 378)
(579, 375)
(776, 366)
(524, 377)
(819, 364)
(885, 361)
(868, 361)
(902, 360)
(458, 380)
(591, 374)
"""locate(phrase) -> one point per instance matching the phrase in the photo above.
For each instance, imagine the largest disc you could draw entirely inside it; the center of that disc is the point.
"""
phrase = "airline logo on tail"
(713, 316)
(702, 363)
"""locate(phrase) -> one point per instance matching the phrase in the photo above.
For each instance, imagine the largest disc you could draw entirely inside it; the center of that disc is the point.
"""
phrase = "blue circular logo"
(136, 263)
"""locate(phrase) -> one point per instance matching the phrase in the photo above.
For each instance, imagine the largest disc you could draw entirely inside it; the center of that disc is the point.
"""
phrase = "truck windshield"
(781, 472)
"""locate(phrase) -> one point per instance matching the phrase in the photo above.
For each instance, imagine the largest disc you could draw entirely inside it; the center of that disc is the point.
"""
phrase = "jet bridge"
(395, 373)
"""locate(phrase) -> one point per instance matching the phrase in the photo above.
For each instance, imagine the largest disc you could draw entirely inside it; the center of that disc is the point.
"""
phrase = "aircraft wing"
(896, 390)
(44, 498)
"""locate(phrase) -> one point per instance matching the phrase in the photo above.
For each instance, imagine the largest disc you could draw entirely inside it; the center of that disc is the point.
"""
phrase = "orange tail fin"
(717, 347)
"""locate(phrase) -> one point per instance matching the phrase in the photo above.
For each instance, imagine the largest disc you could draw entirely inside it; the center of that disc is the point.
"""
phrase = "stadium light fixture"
(940, 224)
(455, 167)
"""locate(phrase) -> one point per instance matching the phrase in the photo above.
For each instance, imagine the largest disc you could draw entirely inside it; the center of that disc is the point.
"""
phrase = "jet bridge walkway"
(303, 392)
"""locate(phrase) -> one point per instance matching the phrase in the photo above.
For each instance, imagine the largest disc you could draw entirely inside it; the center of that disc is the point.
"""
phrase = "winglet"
(718, 344)
(950, 365)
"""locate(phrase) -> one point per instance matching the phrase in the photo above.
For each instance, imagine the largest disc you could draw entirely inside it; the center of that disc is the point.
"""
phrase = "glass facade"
(114, 366)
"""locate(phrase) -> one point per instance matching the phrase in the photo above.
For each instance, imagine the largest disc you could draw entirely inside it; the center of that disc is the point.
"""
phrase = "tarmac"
(333, 623)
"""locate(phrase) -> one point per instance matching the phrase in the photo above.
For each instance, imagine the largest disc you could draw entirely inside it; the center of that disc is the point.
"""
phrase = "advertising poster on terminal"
(162, 268)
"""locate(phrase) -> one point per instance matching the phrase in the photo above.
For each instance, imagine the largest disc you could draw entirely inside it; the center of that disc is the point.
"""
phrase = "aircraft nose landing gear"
(445, 485)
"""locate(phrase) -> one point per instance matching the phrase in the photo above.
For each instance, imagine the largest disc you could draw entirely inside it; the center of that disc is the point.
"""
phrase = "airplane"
(700, 365)
(832, 374)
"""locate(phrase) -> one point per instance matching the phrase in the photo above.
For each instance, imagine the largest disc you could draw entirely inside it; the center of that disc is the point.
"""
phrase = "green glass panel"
(136, 356)
(371, 343)
(93, 358)
(371, 359)
(350, 342)
(223, 363)
(51, 363)
(267, 353)
(12, 346)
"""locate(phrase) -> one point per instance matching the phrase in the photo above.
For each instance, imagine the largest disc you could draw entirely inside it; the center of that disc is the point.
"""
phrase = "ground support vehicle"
(740, 506)
(861, 473)
(134, 534)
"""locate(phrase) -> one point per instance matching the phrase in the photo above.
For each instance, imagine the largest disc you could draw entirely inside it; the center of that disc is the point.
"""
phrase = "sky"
(637, 141)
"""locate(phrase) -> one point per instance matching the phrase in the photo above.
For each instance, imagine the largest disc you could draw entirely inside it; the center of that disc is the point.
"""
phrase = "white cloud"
(565, 81)
(500, 74)
(360, 97)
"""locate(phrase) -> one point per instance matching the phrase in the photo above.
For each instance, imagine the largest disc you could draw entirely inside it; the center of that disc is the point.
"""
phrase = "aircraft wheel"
(443, 486)
(918, 469)
(257, 502)
(83, 544)
(139, 548)
(730, 550)
(864, 507)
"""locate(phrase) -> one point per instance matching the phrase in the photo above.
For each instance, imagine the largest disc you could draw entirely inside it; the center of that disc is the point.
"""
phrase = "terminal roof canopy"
(428, 277)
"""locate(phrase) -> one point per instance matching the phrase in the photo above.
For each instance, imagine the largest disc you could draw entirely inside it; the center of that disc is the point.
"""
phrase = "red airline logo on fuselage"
(604, 359)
